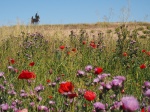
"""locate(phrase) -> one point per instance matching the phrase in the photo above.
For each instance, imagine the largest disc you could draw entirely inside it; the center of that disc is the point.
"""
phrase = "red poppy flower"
(125, 54)
(143, 109)
(25, 74)
(12, 61)
(68, 53)
(65, 87)
(143, 50)
(143, 66)
(98, 70)
(31, 64)
(93, 45)
(48, 81)
(74, 49)
(72, 95)
(89, 95)
(50, 97)
(62, 47)
(122, 91)
(148, 53)
(84, 42)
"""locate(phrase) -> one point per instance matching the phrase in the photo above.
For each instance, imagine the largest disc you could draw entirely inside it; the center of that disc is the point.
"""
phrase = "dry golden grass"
(63, 31)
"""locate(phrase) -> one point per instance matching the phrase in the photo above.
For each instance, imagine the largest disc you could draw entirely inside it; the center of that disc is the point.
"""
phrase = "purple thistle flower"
(148, 110)
(117, 83)
(132, 41)
(102, 84)
(103, 76)
(99, 106)
(12, 92)
(101, 88)
(39, 98)
(13, 103)
(58, 79)
(4, 107)
(120, 78)
(10, 68)
(116, 105)
(147, 93)
(2, 87)
(96, 80)
(53, 84)
(105, 86)
(88, 68)
(32, 104)
(15, 109)
(129, 103)
(29, 82)
(147, 84)
(39, 88)
(80, 73)
(22, 91)
(23, 94)
(113, 96)
(108, 86)
(42, 108)
(31, 93)
(5, 82)
(18, 102)
(1, 74)
(51, 102)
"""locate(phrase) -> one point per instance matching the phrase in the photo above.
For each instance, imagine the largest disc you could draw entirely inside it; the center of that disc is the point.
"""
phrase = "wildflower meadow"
(80, 71)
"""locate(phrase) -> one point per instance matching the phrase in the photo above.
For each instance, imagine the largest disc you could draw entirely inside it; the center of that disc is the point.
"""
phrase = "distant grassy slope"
(64, 30)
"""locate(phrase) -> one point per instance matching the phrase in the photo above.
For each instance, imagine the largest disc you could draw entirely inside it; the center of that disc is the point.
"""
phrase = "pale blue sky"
(73, 11)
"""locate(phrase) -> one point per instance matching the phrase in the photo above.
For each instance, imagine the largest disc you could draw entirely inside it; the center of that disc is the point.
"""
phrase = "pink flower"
(88, 68)
(147, 93)
(23, 110)
(99, 106)
(130, 104)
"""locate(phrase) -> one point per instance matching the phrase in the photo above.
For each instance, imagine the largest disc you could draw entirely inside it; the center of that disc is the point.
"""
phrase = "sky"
(73, 11)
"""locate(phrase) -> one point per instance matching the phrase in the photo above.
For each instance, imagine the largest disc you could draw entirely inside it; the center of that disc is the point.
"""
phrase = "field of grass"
(102, 67)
